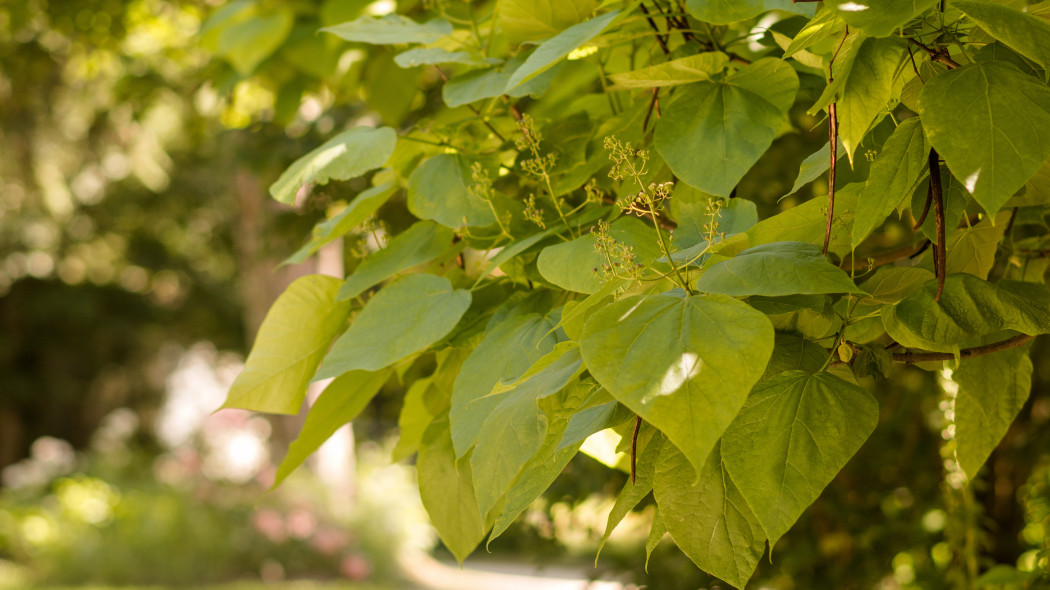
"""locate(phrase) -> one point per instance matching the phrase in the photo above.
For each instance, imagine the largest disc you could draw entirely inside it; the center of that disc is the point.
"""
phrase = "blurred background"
(139, 252)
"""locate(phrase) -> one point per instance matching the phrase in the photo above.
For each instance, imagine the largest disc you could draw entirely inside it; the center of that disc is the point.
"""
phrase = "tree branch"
(937, 56)
(919, 357)
(888, 257)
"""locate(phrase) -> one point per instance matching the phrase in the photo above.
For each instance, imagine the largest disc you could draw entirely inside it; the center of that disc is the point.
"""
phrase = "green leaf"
(425, 400)
(511, 345)
(403, 318)
(291, 342)
(988, 121)
(893, 175)
(867, 89)
(713, 132)
(684, 364)
(690, 208)
(707, 516)
(824, 24)
(793, 435)
(365, 204)
(339, 403)
(492, 82)
(248, 41)
(879, 18)
(776, 269)
(547, 464)
(724, 12)
(656, 534)
(1024, 33)
(650, 445)
(348, 155)
(391, 29)
(447, 489)
(532, 20)
(572, 265)
(557, 47)
(890, 284)
(794, 353)
(806, 222)
(432, 56)
(969, 308)
(420, 243)
(972, 250)
(515, 429)
(684, 70)
(992, 391)
(439, 189)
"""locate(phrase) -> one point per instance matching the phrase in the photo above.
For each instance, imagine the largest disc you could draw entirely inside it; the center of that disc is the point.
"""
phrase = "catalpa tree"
(565, 243)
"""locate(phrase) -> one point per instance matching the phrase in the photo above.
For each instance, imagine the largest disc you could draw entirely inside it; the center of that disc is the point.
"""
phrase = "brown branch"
(833, 132)
(940, 259)
(939, 56)
(659, 37)
(919, 357)
(653, 102)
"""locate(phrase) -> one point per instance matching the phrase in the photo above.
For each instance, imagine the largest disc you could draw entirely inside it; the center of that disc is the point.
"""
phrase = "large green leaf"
(893, 174)
(446, 487)
(867, 89)
(559, 46)
(713, 132)
(723, 12)
(992, 390)
(426, 400)
(684, 364)
(972, 250)
(439, 189)
(515, 429)
(707, 515)
(492, 82)
(879, 18)
(574, 265)
(989, 122)
(824, 24)
(291, 342)
(544, 467)
(890, 284)
(793, 435)
(969, 308)
(420, 243)
(347, 155)
(776, 269)
(806, 222)
(1024, 33)
(404, 318)
(684, 70)
(511, 345)
(365, 204)
(391, 29)
(339, 403)
(532, 20)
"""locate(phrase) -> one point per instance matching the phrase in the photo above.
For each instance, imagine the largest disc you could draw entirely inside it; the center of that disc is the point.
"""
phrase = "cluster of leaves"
(577, 257)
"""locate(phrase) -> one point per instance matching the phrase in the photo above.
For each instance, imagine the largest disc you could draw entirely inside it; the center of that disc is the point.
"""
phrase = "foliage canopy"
(571, 246)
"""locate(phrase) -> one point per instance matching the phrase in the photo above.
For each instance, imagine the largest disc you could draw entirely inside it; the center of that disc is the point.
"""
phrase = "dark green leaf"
(1022, 32)
(391, 29)
(684, 70)
(439, 189)
(777, 269)
(557, 47)
(881, 18)
(893, 175)
(574, 265)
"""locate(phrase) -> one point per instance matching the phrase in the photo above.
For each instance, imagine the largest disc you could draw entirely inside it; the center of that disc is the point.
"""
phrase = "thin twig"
(652, 103)
(833, 132)
(919, 357)
(941, 258)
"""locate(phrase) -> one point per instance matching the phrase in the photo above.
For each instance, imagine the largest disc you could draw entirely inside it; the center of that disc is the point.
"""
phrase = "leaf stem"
(941, 249)
(634, 447)
(920, 357)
